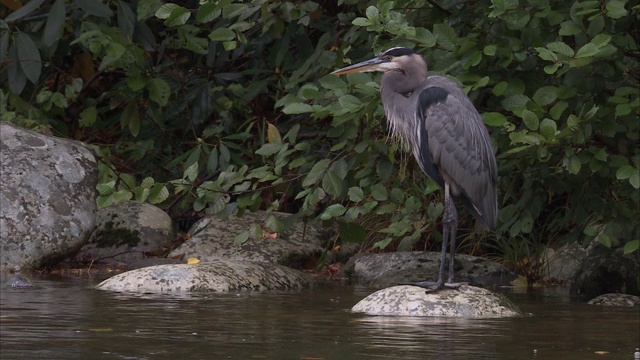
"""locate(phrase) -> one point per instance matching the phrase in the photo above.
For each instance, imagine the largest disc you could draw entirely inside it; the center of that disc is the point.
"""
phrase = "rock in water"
(466, 301)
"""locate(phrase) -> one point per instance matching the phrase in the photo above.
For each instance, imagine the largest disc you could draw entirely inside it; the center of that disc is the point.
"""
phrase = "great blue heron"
(447, 137)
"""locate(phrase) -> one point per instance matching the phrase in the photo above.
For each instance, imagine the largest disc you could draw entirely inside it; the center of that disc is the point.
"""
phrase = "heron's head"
(394, 59)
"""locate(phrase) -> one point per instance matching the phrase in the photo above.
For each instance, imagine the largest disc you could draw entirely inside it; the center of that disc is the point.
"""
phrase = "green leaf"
(494, 119)
(179, 16)
(159, 91)
(29, 57)
(574, 164)
(530, 119)
(316, 172)
(588, 50)
(95, 7)
(55, 21)
(241, 238)
(165, 10)
(88, 116)
(379, 192)
(615, 9)
(269, 149)
(130, 117)
(297, 108)
(222, 34)
(158, 193)
(333, 211)
(546, 54)
(561, 48)
(624, 172)
(360, 21)
(191, 173)
(631, 246)
(332, 183)
(208, 12)
(634, 180)
(355, 194)
(548, 129)
(106, 188)
(25, 10)
(545, 95)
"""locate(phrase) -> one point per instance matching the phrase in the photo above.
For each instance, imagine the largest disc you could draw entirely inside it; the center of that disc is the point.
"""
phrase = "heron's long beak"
(365, 66)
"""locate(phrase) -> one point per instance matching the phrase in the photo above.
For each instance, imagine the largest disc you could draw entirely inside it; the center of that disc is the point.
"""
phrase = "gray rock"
(212, 239)
(562, 264)
(607, 271)
(48, 198)
(19, 281)
(466, 301)
(388, 269)
(219, 276)
(128, 232)
(615, 300)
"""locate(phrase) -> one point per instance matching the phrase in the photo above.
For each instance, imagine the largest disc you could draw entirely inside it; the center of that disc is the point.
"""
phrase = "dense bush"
(223, 106)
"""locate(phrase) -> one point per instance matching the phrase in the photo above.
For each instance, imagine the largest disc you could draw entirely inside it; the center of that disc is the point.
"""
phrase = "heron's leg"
(453, 231)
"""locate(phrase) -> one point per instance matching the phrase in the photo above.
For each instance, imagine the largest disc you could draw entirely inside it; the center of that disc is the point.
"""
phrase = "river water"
(65, 318)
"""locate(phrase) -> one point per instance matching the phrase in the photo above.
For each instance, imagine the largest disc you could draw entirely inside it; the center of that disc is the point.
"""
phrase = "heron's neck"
(399, 97)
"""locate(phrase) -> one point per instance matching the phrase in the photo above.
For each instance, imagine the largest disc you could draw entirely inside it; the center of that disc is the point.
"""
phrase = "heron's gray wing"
(455, 142)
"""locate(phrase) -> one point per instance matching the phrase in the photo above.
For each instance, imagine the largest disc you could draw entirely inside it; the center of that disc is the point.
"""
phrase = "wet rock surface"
(389, 269)
(615, 300)
(213, 239)
(219, 276)
(466, 301)
(48, 198)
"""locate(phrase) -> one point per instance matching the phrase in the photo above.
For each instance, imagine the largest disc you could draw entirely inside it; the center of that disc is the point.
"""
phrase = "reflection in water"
(68, 319)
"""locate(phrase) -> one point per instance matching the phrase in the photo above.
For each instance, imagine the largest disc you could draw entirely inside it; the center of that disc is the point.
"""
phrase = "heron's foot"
(433, 286)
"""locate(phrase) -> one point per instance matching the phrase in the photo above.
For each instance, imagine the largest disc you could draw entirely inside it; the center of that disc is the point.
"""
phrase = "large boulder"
(388, 269)
(213, 239)
(47, 200)
(128, 232)
(466, 301)
(607, 270)
(219, 276)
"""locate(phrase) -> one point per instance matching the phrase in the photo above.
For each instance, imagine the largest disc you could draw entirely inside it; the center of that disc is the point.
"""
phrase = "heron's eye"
(388, 57)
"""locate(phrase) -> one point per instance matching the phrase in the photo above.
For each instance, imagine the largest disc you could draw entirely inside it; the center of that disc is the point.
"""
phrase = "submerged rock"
(219, 276)
(48, 198)
(19, 281)
(615, 300)
(466, 301)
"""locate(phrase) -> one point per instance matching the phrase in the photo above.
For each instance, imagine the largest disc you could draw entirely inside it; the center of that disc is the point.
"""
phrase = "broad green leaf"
(222, 34)
(208, 12)
(88, 116)
(241, 238)
(545, 95)
(95, 7)
(165, 10)
(548, 129)
(372, 12)
(355, 194)
(634, 180)
(316, 172)
(23, 11)
(624, 172)
(159, 91)
(631, 246)
(546, 54)
(588, 50)
(130, 117)
(332, 183)
(126, 19)
(29, 57)
(191, 173)
(55, 21)
(494, 119)
(333, 211)
(179, 16)
(269, 149)
(379, 192)
(158, 193)
(530, 119)
(297, 108)
(574, 164)
(360, 21)
(616, 9)
(561, 48)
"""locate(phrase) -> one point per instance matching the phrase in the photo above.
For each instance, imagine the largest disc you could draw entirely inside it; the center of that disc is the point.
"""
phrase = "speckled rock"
(388, 269)
(219, 276)
(48, 198)
(467, 301)
(128, 232)
(615, 300)
(19, 281)
(212, 239)
(608, 270)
